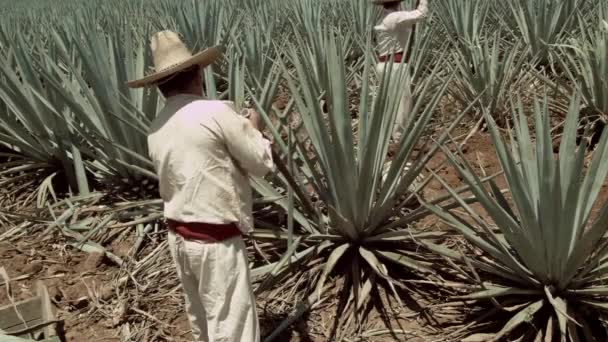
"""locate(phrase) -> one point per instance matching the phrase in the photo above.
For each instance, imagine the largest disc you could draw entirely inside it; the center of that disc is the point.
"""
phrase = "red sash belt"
(204, 231)
(397, 57)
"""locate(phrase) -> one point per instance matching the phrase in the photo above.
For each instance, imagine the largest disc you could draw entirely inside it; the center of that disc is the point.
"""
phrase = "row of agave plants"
(71, 126)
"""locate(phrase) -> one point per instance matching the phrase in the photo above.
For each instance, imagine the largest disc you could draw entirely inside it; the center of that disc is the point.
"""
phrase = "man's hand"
(255, 118)
(256, 121)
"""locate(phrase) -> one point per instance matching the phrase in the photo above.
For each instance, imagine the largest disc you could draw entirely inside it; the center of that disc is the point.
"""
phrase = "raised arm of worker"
(245, 142)
(397, 19)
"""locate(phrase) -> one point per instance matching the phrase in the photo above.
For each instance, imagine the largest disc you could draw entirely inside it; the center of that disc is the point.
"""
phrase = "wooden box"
(30, 319)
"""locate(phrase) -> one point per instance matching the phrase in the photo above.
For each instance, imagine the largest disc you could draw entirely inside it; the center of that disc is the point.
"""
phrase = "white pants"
(219, 298)
(405, 105)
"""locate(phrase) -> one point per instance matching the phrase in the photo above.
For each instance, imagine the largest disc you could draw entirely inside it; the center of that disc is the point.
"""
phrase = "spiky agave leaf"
(545, 248)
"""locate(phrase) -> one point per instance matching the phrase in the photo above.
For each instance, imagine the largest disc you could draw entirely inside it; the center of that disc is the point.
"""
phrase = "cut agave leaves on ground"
(547, 239)
(352, 210)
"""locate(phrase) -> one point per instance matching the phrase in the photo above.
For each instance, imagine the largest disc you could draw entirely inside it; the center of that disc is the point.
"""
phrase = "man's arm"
(404, 18)
(245, 142)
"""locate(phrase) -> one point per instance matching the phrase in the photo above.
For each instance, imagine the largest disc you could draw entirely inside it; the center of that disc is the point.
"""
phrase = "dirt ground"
(76, 280)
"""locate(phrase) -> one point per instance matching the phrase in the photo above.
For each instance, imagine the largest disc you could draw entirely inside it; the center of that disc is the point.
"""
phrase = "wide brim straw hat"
(170, 56)
(380, 2)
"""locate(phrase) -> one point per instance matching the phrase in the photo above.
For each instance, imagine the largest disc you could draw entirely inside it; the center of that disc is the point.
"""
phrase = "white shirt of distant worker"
(204, 153)
(392, 35)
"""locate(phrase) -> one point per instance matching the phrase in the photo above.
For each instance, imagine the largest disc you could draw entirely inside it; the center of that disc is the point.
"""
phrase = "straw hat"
(170, 56)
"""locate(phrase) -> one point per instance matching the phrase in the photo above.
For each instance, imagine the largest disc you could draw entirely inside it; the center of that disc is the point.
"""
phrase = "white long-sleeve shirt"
(394, 29)
(203, 152)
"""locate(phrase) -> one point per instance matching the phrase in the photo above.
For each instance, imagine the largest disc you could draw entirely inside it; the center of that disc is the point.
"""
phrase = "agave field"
(486, 221)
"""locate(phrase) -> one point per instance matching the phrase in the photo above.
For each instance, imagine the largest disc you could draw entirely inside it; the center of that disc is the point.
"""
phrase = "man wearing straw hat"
(203, 153)
(392, 35)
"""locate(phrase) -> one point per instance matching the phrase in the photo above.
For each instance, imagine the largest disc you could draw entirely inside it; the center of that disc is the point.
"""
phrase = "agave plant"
(542, 258)
(109, 115)
(258, 43)
(465, 20)
(586, 63)
(489, 69)
(541, 24)
(365, 16)
(343, 212)
(34, 123)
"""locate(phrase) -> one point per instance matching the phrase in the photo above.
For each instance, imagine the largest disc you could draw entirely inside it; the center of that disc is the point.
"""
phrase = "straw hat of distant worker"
(171, 56)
